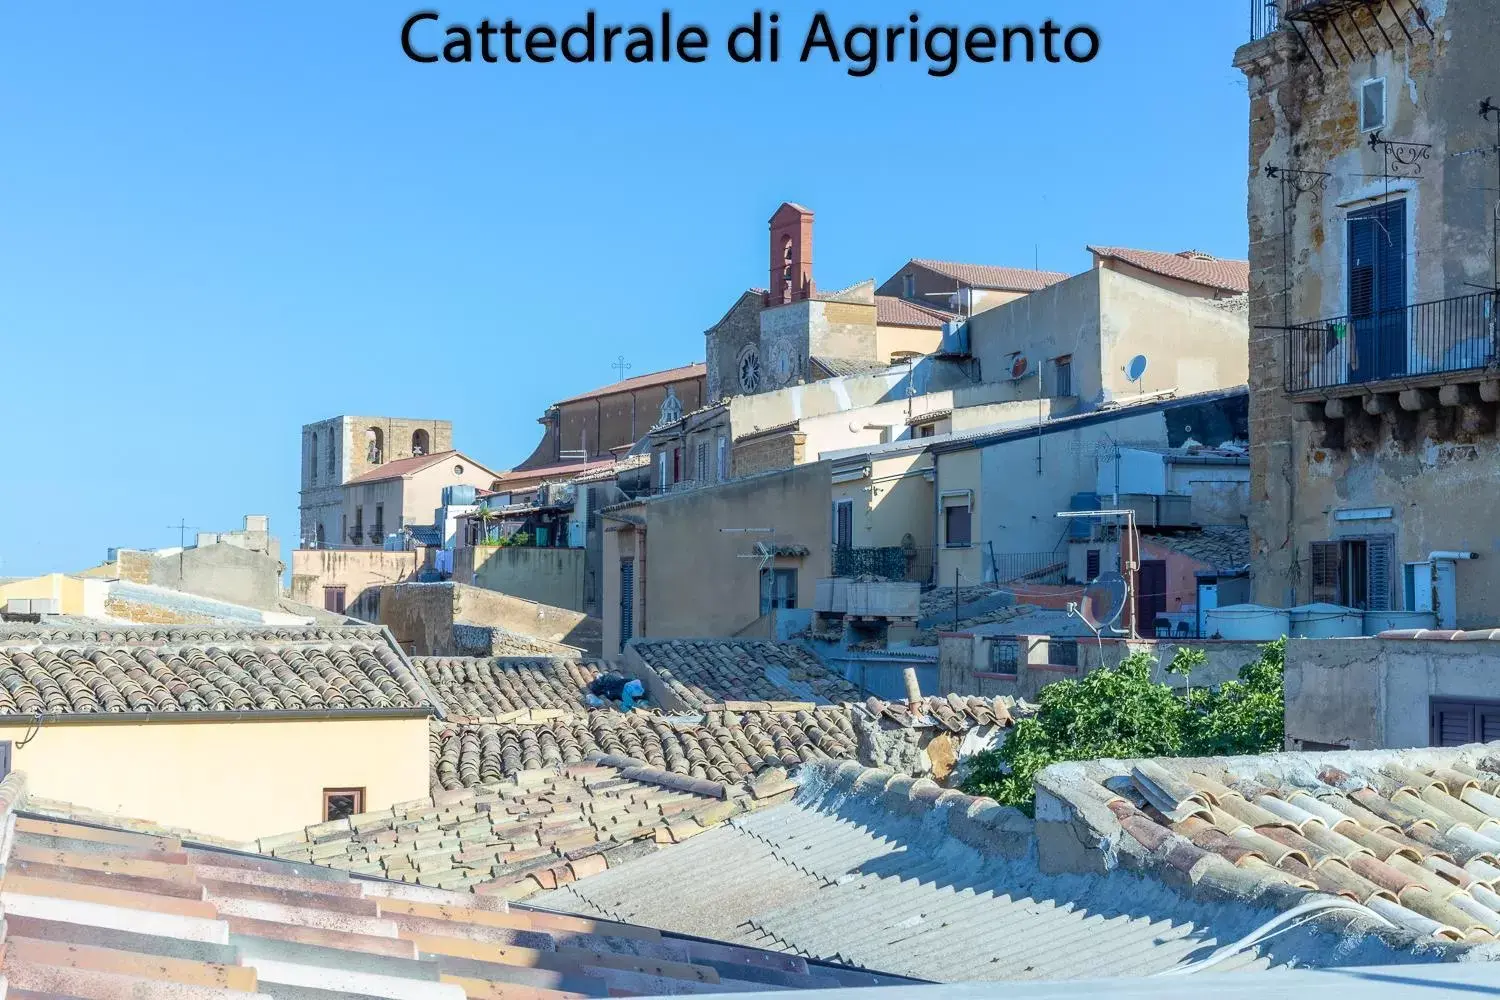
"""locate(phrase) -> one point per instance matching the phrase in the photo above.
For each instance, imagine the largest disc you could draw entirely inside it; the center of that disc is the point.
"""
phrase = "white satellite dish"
(1104, 600)
(1136, 368)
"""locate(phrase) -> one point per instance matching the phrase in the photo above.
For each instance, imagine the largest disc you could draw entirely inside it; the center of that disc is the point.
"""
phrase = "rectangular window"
(778, 589)
(1063, 376)
(333, 599)
(676, 465)
(661, 470)
(927, 430)
(957, 517)
(700, 470)
(1372, 105)
(378, 534)
(358, 535)
(1373, 346)
(1091, 564)
(5, 748)
(908, 286)
(627, 601)
(843, 524)
(1353, 572)
(340, 803)
(723, 459)
(1456, 723)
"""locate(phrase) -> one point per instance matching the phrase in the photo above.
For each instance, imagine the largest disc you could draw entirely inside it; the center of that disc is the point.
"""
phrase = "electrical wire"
(1292, 918)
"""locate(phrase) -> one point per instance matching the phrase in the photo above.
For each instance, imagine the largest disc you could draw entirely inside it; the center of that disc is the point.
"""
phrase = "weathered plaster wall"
(361, 572)
(421, 616)
(223, 572)
(1370, 694)
(893, 502)
(726, 339)
(546, 575)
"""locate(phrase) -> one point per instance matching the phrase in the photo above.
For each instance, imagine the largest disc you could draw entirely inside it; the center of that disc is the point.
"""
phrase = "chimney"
(791, 277)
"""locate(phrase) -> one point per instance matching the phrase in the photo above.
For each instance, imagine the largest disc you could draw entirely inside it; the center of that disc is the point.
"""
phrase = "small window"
(1457, 723)
(1091, 569)
(927, 430)
(458, 470)
(723, 458)
(419, 442)
(908, 286)
(957, 521)
(341, 803)
(1372, 105)
(312, 465)
(333, 599)
(5, 748)
(700, 470)
(1063, 376)
(661, 470)
(843, 524)
(778, 589)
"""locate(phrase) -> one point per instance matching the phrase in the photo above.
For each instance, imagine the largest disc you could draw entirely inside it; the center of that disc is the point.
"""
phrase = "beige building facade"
(715, 561)
(342, 448)
(405, 492)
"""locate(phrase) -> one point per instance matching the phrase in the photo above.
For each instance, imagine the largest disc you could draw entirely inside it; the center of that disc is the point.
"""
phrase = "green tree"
(1121, 712)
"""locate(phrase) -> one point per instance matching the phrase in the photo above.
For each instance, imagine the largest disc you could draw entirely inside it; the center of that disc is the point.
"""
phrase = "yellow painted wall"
(900, 505)
(890, 339)
(960, 470)
(75, 596)
(236, 780)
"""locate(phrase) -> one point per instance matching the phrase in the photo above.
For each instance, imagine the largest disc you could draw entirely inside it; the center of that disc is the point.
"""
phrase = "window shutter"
(1487, 727)
(1452, 723)
(1362, 265)
(627, 601)
(1379, 562)
(1325, 572)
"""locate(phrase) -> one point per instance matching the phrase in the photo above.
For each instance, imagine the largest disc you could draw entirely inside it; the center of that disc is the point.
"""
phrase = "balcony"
(913, 565)
(1267, 16)
(1421, 346)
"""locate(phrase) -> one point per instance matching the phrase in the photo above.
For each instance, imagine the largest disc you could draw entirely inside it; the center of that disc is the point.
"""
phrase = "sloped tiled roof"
(93, 912)
(843, 367)
(696, 370)
(130, 671)
(703, 672)
(1010, 279)
(1412, 836)
(725, 746)
(955, 713)
(1220, 546)
(894, 311)
(496, 686)
(1188, 265)
(411, 466)
(902, 875)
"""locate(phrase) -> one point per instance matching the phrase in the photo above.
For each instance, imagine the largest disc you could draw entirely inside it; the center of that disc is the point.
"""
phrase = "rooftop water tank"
(1377, 622)
(1247, 623)
(1326, 621)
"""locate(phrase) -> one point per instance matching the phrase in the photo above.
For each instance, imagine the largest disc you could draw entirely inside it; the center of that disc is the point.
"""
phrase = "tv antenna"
(182, 528)
(762, 551)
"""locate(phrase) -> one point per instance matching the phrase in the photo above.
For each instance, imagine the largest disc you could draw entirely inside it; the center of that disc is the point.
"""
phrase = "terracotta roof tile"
(1189, 265)
(113, 913)
(495, 686)
(895, 311)
(1220, 546)
(1012, 279)
(410, 466)
(702, 672)
(696, 370)
(1414, 837)
(139, 670)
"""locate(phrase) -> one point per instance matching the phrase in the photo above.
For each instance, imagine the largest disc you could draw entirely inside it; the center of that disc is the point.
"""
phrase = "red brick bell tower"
(791, 255)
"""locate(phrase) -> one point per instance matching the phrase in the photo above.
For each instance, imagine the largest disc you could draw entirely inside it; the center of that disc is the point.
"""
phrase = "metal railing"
(1448, 335)
(891, 563)
(1265, 17)
(1028, 567)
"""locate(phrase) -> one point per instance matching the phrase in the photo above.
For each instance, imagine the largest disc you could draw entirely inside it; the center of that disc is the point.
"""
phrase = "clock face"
(781, 363)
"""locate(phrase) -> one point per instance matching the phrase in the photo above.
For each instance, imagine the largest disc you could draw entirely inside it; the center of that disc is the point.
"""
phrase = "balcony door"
(1377, 292)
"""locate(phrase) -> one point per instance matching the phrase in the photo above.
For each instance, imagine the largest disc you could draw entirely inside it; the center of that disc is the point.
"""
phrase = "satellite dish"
(1104, 600)
(1136, 368)
(1019, 366)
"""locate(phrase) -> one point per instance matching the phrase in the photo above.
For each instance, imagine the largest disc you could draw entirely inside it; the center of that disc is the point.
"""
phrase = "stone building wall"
(768, 453)
(1433, 466)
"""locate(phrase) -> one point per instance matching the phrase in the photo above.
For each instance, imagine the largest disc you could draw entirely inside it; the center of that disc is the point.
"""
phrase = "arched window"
(419, 442)
(374, 446)
(320, 535)
(786, 259)
(312, 459)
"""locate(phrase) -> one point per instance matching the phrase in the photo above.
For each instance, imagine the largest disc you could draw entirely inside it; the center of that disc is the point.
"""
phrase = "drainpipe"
(1445, 585)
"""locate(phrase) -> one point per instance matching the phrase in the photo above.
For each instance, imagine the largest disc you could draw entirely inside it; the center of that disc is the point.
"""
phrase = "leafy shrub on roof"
(1121, 712)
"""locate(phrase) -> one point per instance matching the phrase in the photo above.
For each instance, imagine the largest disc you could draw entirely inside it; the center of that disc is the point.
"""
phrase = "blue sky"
(221, 221)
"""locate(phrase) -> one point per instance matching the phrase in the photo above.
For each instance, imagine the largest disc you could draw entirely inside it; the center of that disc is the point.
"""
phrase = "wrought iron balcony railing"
(1428, 338)
(1265, 17)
